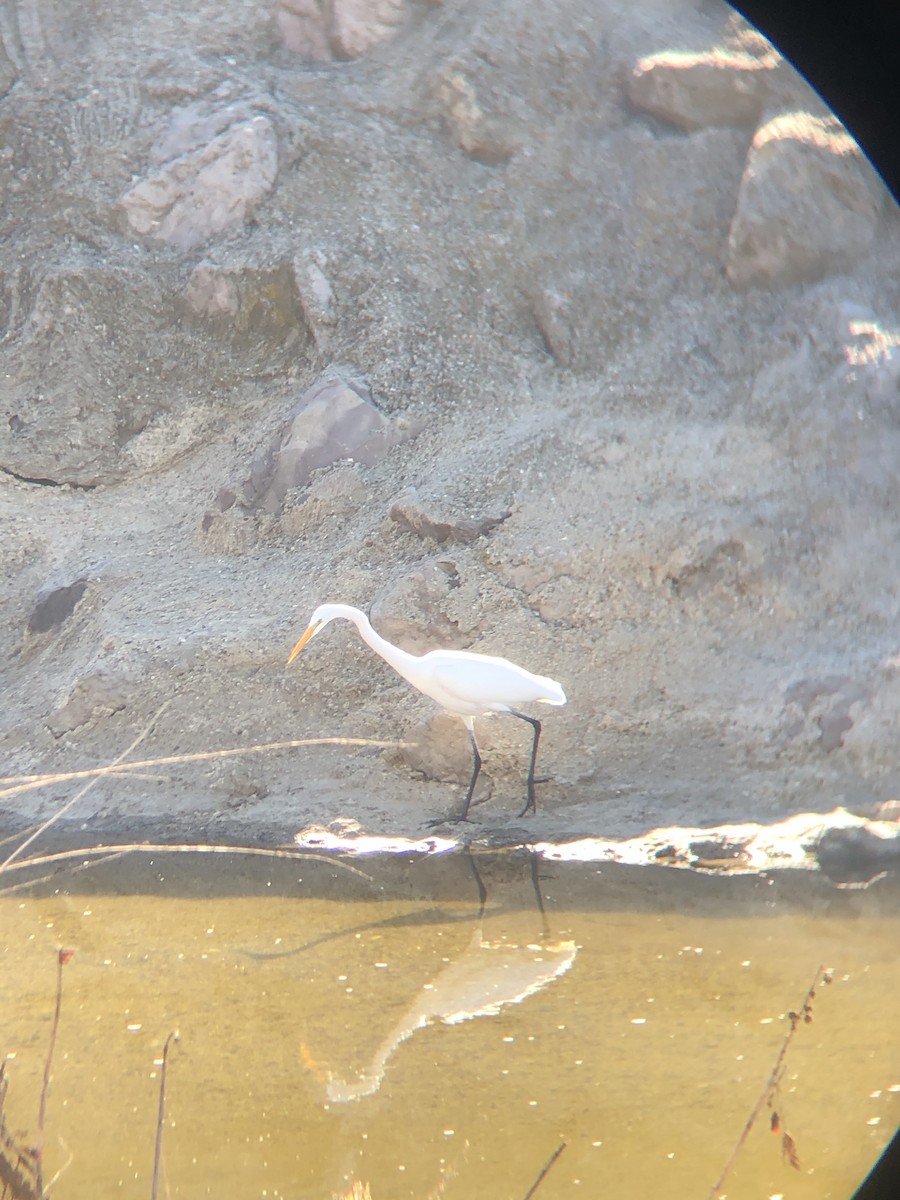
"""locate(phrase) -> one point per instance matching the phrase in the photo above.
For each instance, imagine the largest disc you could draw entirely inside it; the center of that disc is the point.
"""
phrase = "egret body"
(470, 685)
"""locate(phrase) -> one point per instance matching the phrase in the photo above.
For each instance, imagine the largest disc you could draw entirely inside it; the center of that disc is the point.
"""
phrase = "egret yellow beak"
(313, 629)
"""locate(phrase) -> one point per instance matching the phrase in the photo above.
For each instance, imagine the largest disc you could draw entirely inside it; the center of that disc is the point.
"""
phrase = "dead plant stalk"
(771, 1086)
(174, 1036)
(62, 957)
(28, 783)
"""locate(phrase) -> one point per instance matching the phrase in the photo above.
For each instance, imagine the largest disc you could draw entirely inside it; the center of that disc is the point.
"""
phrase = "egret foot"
(458, 820)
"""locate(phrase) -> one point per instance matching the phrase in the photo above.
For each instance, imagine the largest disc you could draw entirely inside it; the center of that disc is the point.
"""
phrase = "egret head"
(315, 626)
(317, 622)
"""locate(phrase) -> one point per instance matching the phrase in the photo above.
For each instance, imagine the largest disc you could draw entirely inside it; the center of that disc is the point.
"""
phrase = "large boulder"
(808, 203)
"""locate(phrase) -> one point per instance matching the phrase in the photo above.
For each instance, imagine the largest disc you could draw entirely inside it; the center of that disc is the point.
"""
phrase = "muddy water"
(440, 1027)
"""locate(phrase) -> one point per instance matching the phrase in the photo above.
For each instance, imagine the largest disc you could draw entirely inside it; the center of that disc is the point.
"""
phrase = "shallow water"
(335, 1027)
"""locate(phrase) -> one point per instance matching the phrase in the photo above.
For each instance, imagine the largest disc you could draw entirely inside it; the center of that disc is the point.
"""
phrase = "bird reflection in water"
(486, 977)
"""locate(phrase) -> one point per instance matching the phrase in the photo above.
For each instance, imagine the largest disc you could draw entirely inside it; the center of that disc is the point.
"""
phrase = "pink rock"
(207, 189)
(484, 137)
(303, 25)
(358, 25)
(212, 292)
(692, 91)
(321, 30)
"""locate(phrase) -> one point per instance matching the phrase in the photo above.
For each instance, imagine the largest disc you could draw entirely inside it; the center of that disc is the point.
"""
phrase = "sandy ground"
(686, 473)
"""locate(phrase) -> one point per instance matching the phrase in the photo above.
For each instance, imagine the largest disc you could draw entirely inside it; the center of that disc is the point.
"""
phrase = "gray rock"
(692, 91)
(316, 296)
(808, 203)
(56, 606)
(332, 496)
(95, 695)
(412, 514)
(224, 528)
(100, 357)
(857, 855)
(558, 600)
(727, 561)
(8, 71)
(554, 318)
(220, 165)
(873, 712)
(333, 421)
(192, 126)
(820, 711)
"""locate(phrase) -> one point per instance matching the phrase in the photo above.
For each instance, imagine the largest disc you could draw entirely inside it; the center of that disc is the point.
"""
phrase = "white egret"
(470, 685)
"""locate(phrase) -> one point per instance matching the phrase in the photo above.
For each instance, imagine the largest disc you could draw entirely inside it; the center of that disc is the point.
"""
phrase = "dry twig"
(81, 791)
(174, 1036)
(28, 783)
(62, 957)
(100, 854)
(767, 1096)
(546, 1167)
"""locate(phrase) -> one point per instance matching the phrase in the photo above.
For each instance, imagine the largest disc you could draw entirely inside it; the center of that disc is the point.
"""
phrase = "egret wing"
(480, 681)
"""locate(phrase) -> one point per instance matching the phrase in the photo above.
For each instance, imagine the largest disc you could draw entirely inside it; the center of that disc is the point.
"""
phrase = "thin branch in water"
(82, 791)
(766, 1097)
(31, 862)
(101, 854)
(28, 783)
(546, 1167)
(62, 957)
(174, 1036)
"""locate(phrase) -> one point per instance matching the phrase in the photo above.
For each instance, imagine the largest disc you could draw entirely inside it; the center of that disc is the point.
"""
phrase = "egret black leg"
(476, 767)
(530, 805)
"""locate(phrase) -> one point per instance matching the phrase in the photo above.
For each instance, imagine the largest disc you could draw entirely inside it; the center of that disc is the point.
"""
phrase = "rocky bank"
(568, 333)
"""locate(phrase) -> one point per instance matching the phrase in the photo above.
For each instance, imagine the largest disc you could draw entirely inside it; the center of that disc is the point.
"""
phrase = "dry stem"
(546, 1167)
(28, 783)
(62, 957)
(81, 791)
(771, 1086)
(174, 1036)
(107, 853)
